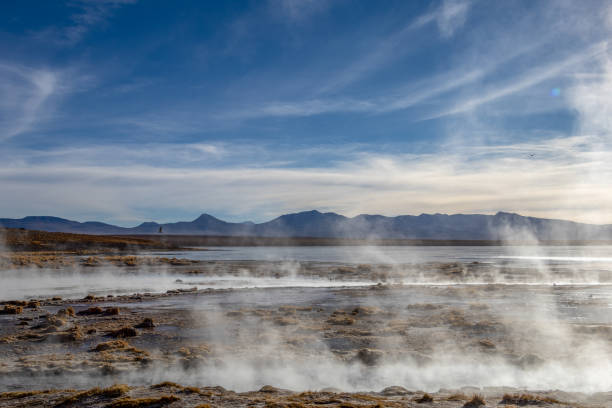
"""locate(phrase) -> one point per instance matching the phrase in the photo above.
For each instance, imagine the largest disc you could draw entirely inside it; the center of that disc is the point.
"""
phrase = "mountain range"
(501, 226)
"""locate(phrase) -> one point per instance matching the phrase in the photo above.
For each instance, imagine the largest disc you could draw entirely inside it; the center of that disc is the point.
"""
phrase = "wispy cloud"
(452, 16)
(449, 17)
(25, 92)
(431, 87)
(526, 80)
(300, 108)
(90, 13)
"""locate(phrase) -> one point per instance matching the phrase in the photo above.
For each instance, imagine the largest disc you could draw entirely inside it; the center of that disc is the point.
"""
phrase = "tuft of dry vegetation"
(111, 345)
(285, 321)
(123, 333)
(110, 392)
(33, 304)
(23, 394)
(67, 312)
(457, 397)
(340, 318)
(486, 343)
(424, 398)
(175, 386)
(147, 323)
(526, 399)
(143, 402)
(167, 384)
(111, 311)
(369, 357)
(11, 310)
(475, 402)
(68, 336)
(117, 346)
(96, 310)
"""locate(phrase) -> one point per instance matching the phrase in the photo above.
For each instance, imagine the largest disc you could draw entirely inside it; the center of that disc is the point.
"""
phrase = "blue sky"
(127, 111)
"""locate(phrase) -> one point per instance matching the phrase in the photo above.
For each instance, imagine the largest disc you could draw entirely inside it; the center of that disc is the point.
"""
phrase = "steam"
(546, 332)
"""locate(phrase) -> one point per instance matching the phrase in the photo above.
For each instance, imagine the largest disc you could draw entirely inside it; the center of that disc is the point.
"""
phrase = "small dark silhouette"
(160, 230)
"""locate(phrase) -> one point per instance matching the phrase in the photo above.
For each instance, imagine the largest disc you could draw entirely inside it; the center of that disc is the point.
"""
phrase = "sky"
(127, 111)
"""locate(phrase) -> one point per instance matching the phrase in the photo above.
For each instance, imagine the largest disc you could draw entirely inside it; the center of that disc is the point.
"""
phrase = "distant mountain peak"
(206, 217)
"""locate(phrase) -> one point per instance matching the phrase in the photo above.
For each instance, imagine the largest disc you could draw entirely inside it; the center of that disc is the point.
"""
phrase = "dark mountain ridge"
(501, 226)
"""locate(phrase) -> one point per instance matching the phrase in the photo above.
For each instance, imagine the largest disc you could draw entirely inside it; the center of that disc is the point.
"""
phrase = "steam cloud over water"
(533, 321)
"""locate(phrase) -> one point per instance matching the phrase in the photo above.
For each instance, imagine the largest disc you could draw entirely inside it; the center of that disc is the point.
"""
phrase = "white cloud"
(551, 184)
(451, 16)
(301, 108)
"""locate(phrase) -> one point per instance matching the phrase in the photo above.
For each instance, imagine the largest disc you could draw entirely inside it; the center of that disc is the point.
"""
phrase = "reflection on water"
(407, 254)
(27, 285)
(506, 265)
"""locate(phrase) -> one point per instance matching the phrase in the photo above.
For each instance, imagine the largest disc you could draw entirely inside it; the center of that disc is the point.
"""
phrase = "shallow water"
(544, 315)
(567, 265)
(525, 255)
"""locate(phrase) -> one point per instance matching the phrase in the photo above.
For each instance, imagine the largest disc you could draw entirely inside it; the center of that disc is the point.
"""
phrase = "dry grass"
(110, 392)
(144, 402)
(111, 345)
(16, 302)
(365, 310)
(109, 311)
(68, 336)
(486, 343)
(23, 394)
(424, 399)
(11, 310)
(118, 346)
(475, 402)
(369, 357)
(33, 304)
(147, 323)
(42, 241)
(167, 384)
(340, 320)
(285, 321)
(527, 399)
(67, 312)
(457, 397)
(123, 333)
(180, 388)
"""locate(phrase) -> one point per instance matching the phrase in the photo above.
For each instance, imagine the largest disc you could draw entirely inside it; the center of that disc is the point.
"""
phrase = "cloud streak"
(90, 13)
(25, 94)
(449, 16)
(531, 78)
